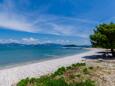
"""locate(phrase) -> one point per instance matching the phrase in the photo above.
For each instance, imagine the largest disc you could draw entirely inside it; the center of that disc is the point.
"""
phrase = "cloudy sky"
(52, 21)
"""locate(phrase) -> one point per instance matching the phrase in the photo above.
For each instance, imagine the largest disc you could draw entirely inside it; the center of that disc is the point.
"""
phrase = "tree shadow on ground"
(100, 55)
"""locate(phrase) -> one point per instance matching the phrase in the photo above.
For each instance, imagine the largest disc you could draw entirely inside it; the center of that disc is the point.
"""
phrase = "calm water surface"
(10, 55)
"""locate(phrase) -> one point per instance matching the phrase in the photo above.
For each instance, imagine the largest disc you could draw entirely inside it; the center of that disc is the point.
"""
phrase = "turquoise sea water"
(16, 54)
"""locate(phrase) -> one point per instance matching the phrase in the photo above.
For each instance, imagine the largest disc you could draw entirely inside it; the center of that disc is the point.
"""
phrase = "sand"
(11, 76)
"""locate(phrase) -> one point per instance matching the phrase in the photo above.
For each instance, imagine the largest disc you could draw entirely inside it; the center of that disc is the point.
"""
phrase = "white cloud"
(48, 24)
(10, 19)
(65, 26)
(15, 22)
(30, 40)
(9, 41)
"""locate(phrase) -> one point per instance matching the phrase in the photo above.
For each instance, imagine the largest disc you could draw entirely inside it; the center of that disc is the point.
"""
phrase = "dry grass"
(104, 74)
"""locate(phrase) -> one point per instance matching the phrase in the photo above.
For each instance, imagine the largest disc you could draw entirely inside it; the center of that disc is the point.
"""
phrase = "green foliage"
(59, 78)
(85, 83)
(78, 64)
(91, 68)
(60, 71)
(54, 82)
(85, 70)
(42, 81)
(78, 75)
(104, 36)
(23, 82)
(47, 81)
(75, 65)
(69, 67)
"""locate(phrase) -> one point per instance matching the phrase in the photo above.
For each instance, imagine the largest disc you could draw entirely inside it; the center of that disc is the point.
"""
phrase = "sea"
(14, 54)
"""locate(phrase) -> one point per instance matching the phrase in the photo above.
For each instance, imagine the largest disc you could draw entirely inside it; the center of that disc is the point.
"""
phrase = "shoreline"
(38, 61)
(11, 76)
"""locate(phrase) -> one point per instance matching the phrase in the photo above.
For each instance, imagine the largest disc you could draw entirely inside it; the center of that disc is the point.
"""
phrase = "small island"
(72, 45)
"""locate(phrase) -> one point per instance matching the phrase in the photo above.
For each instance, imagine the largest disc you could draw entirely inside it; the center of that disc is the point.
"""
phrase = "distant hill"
(72, 45)
(43, 45)
(29, 45)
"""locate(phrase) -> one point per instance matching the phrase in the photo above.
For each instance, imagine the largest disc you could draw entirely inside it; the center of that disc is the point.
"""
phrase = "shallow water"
(10, 55)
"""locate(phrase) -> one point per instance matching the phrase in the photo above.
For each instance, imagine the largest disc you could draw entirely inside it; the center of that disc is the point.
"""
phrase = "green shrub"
(69, 67)
(89, 83)
(60, 71)
(91, 68)
(23, 82)
(85, 71)
(78, 64)
(54, 82)
(43, 79)
(84, 83)
(78, 75)
(47, 81)
(58, 78)
(34, 81)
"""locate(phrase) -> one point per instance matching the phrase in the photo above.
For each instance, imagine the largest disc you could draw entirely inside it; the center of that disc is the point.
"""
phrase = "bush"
(78, 64)
(85, 83)
(60, 71)
(59, 78)
(90, 68)
(78, 75)
(47, 81)
(43, 81)
(54, 82)
(69, 67)
(85, 71)
(23, 82)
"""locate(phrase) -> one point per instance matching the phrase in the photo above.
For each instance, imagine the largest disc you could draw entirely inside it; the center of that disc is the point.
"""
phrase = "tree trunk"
(113, 53)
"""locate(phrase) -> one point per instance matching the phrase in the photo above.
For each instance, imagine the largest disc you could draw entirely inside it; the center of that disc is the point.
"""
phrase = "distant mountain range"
(45, 44)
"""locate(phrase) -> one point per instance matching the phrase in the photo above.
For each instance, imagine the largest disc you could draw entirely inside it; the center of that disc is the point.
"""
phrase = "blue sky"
(52, 21)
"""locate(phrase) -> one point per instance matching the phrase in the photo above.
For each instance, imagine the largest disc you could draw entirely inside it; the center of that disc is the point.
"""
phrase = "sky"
(52, 21)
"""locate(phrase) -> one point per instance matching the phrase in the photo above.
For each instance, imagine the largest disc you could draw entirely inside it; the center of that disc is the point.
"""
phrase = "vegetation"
(104, 36)
(74, 75)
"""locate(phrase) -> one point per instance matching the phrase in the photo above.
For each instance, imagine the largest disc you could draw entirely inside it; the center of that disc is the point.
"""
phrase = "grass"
(60, 71)
(74, 75)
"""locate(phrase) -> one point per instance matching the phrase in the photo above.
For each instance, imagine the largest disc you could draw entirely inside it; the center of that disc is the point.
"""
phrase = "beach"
(10, 76)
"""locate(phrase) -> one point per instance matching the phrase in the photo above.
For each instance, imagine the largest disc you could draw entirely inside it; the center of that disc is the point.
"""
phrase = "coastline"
(40, 60)
(12, 75)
